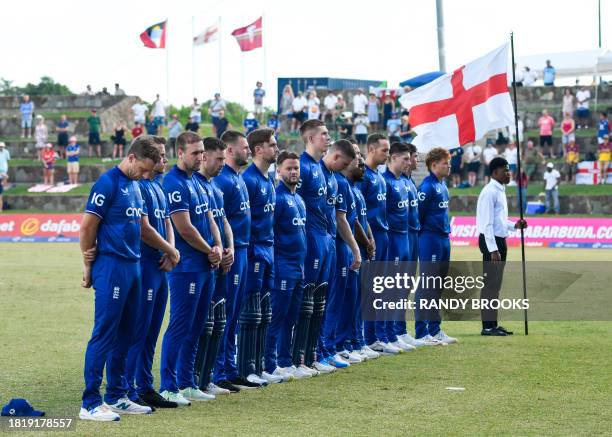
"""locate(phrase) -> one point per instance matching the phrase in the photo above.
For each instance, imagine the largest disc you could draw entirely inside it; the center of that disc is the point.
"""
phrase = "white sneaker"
(431, 341)
(409, 339)
(273, 379)
(215, 390)
(295, 372)
(175, 397)
(101, 413)
(338, 361)
(384, 348)
(369, 353)
(126, 406)
(403, 346)
(256, 379)
(323, 368)
(355, 357)
(441, 336)
(195, 394)
(283, 373)
(305, 369)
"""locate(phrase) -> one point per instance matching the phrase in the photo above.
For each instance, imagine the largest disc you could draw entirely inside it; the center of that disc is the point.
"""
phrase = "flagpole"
(520, 181)
(192, 57)
(265, 58)
(219, 39)
(167, 67)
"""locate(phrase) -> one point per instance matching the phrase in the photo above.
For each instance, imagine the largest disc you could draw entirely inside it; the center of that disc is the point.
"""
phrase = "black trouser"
(493, 276)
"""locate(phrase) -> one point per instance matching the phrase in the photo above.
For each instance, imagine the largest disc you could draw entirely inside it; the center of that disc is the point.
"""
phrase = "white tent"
(571, 64)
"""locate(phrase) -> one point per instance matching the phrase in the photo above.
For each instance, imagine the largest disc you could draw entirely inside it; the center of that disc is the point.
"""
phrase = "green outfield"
(556, 381)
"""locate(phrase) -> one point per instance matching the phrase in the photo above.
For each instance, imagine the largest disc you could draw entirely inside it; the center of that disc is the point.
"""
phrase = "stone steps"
(32, 174)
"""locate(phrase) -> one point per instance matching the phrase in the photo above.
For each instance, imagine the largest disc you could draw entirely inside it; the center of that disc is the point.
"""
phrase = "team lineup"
(261, 268)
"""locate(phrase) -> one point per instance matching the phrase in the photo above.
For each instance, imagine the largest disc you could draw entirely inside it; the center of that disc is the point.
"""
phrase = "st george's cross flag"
(461, 107)
(249, 37)
(210, 34)
(154, 37)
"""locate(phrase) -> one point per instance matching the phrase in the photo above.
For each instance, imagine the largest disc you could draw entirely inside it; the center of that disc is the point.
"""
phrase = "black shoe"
(140, 401)
(502, 329)
(493, 332)
(243, 383)
(154, 399)
(228, 386)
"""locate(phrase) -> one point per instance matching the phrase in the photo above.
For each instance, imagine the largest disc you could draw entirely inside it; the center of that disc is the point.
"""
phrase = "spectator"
(360, 101)
(48, 158)
(41, 136)
(512, 130)
(62, 136)
(223, 124)
(605, 153)
(488, 154)
(88, 91)
(273, 123)
(286, 101)
(510, 156)
(119, 141)
(174, 130)
(582, 111)
(519, 77)
(521, 190)
(258, 96)
(104, 92)
(250, 123)
(159, 112)
(549, 74)
(313, 104)
(139, 109)
(137, 130)
(456, 165)
(568, 128)
(298, 106)
(5, 157)
(603, 128)
(196, 111)
(345, 125)
(473, 155)
(532, 157)
(27, 110)
(388, 109)
(193, 126)
(72, 152)
(569, 102)
(529, 77)
(393, 128)
(94, 133)
(546, 123)
(572, 157)
(373, 112)
(216, 106)
(361, 128)
(406, 133)
(119, 91)
(329, 107)
(340, 104)
(151, 125)
(552, 178)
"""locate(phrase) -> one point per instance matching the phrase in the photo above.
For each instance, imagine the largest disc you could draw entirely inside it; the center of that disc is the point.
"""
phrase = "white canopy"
(571, 64)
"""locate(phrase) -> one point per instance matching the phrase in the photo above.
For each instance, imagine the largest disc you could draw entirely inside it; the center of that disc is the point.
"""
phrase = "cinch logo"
(421, 196)
(364, 212)
(29, 226)
(174, 197)
(443, 204)
(298, 221)
(269, 207)
(332, 200)
(403, 203)
(159, 213)
(133, 212)
(381, 197)
(150, 294)
(203, 207)
(245, 205)
(217, 213)
(414, 203)
(322, 191)
(116, 292)
(192, 288)
(97, 199)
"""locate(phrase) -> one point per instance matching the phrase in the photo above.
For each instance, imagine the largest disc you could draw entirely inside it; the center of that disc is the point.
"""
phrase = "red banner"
(40, 227)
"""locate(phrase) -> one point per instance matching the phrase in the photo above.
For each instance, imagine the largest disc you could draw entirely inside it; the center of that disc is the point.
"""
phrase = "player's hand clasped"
(215, 256)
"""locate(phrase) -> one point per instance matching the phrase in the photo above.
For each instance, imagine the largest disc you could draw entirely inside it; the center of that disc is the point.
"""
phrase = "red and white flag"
(459, 108)
(210, 34)
(249, 37)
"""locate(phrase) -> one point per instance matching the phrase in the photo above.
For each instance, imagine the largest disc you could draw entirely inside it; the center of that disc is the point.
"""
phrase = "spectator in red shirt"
(48, 158)
(546, 123)
(137, 130)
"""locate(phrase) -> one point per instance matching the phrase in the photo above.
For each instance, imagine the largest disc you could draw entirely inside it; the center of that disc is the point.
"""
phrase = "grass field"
(556, 381)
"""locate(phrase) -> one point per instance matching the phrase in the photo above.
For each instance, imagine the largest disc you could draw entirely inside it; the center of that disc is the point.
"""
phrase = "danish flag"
(460, 108)
(249, 37)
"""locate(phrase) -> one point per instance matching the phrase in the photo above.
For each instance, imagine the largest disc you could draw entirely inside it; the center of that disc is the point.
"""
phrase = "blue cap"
(20, 407)
(489, 142)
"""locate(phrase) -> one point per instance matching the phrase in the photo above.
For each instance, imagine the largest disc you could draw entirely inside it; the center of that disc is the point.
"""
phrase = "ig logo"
(98, 199)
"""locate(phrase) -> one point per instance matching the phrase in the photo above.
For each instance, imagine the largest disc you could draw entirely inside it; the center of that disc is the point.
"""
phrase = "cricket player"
(289, 256)
(434, 243)
(255, 314)
(192, 280)
(156, 229)
(238, 212)
(111, 224)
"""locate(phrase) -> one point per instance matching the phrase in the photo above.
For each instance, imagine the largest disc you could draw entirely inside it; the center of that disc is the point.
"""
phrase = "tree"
(46, 87)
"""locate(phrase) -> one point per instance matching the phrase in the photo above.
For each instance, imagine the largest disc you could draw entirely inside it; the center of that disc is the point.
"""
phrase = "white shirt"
(5, 157)
(510, 155)
(299, 103)
(361, 125)
(488, 154)
(512, 130)
(492, 214)
(550, 177)
(139, 111)
(529, 77)
(330, 102)
(359, 103)
(158, 109)
(583, 96)
(216, 106)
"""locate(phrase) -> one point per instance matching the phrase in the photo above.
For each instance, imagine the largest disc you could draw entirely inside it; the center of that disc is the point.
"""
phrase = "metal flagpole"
(521, 190)
(265, 58)
(167, 67)
(219, 39)
(192, 56)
